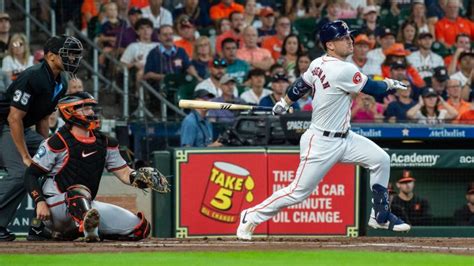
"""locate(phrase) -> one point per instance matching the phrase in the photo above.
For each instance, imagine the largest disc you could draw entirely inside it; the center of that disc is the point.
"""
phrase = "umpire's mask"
(71, 54)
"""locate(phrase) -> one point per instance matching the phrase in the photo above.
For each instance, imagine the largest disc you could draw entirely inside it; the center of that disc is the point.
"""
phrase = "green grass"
(248, 258)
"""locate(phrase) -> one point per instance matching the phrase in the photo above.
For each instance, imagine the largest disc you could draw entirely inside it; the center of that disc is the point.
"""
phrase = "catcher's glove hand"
(148, 177)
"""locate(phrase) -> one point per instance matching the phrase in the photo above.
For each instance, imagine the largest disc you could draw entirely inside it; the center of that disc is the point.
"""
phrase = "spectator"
(333, 9)
(408, 34)
(275, 42)
(386, 38)
(463, 43)
(166, 58)
(236, 68)
(122, 9)
(366, 109)
(280, 83)
(196, 130)
(237, 26)
(464, 216)
(418, 16)
(396, 111)
(89, 9)
(5, 81)
(250, 14)
(452, 24)
(439, 80)
(75, 85)
(4, 33)
(436, 10)
(257, 57)
(396, 53)
(368, 66)
(276, 68)
(267, 17)
(110, 33)
(157, 14)
(257, 91)
(197, 14)
(290, 51)
(228, 88)
(302, 64)
(186, 31)
(136, 53)
(370, 14)
(217, 69)
(426, 111)
(224, 9)
(409, 207)
(468, 116)
(424, 60)
(95, 23)
(346, 11)
(466, 65)
(454, 98)
(18, 57)
(129, 35)
(202, 56)
(299, 9)
(38, 56)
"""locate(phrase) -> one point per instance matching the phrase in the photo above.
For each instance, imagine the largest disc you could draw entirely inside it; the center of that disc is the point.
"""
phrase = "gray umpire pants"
(12, 187)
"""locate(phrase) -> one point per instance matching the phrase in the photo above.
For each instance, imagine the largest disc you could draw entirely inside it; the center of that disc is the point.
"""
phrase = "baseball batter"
(73, 160)
(329, 139)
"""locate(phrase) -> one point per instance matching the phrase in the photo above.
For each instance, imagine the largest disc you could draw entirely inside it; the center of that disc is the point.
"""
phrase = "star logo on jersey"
(84, 155)
(357, 78)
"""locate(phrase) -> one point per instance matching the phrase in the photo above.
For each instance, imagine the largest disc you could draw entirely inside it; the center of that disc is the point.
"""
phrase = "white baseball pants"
(318, 154)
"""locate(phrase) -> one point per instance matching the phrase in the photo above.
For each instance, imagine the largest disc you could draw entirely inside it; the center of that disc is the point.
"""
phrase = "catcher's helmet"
(333, 30)
(69, 105)
(68, 48)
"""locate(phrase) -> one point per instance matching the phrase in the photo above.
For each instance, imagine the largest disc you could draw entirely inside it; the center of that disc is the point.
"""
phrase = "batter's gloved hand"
(280, 107)
(394, 84)
(148, 177)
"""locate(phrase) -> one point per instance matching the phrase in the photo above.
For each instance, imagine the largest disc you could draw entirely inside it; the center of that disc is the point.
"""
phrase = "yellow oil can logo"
(227, 187)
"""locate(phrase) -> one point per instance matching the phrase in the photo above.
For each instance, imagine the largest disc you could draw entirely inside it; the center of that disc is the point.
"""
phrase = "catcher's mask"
(71, 54)
(69, 110)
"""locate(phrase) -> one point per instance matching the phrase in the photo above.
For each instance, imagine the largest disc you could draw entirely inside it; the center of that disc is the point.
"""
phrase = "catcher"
(73, 160)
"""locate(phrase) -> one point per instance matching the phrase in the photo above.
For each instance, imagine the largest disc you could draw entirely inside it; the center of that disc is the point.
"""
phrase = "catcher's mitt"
(148, 177)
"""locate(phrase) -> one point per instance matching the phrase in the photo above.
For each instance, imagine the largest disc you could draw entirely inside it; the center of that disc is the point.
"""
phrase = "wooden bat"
(193, 104)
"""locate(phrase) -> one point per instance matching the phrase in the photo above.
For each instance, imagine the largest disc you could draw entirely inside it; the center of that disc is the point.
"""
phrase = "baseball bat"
(193, 104)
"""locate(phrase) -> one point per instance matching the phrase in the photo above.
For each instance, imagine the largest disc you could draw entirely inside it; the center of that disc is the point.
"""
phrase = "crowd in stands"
(254, 49)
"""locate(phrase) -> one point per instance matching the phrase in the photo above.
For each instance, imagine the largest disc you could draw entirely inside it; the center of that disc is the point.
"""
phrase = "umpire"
(31, 98)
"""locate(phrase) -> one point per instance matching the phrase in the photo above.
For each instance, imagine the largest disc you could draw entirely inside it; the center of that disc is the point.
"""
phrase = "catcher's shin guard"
(78, 202)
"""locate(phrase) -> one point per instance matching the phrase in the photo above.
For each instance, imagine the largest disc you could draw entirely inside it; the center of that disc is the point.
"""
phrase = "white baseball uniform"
(329, 139)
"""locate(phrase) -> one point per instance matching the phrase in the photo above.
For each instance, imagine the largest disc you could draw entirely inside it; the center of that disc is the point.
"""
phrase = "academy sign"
(413, 160)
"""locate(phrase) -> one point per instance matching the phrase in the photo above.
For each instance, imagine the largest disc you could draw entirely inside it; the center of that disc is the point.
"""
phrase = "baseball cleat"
(246, 228)
(91, 226)
(394, 224)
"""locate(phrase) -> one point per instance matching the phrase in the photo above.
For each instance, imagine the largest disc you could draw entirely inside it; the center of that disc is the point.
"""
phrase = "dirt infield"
(401, 244)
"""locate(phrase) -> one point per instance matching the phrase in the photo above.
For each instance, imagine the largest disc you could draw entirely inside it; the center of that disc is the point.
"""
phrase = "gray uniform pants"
(114, 220)
(12, 188)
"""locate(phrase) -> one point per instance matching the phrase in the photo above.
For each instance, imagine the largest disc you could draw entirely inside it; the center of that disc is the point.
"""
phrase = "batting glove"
(280, 107)
(394, 84)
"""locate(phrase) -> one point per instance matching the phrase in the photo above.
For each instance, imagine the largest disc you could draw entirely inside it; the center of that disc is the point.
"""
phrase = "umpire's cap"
(333, 30)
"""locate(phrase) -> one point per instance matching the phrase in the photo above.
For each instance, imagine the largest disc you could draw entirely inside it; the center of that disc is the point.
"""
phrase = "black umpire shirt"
(36, 92)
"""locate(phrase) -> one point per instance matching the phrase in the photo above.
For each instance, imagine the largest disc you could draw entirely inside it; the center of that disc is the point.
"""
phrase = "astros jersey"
(333, 81)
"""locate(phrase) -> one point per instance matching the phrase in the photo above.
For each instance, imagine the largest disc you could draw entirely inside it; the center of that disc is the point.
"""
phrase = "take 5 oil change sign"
(214, 186)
